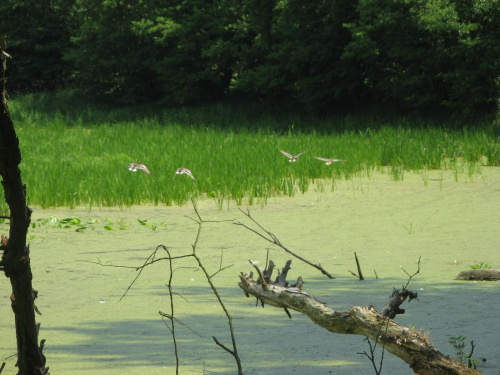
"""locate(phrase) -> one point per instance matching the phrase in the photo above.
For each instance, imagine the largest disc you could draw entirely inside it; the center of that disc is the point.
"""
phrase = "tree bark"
(15, 258)
(408, 344)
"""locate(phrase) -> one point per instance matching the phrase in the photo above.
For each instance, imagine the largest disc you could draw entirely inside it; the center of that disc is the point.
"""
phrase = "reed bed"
(76, 153)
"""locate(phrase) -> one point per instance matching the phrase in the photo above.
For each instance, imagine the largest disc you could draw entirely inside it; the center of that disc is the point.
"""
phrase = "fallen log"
(408, 344)
(485, 274)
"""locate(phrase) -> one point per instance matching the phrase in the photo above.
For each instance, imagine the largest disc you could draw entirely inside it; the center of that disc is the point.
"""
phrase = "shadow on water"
(269, 342)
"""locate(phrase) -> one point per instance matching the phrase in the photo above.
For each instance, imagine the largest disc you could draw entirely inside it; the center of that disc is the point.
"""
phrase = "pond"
(449, 223)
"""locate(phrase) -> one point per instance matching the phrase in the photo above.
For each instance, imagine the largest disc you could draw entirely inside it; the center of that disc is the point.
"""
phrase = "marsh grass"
(76, 153)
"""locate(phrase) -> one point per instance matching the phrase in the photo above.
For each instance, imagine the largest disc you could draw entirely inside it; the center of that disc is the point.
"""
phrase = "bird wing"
(144, 168)
(290, 156)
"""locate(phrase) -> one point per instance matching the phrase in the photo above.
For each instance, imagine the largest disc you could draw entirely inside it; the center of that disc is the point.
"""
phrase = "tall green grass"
(76, 153)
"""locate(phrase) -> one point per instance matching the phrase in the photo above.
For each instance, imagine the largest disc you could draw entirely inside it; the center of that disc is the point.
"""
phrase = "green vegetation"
(480, 266)
(78, 155)
(76, 223)
(459, 345)
(412, 55)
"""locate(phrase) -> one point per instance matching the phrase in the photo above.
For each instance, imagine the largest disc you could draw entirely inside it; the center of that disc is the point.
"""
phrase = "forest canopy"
(416, 55)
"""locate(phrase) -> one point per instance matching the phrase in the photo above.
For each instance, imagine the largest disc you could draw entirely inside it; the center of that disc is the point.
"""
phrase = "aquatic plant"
(233, 155)
(480, 266)
(458, 343)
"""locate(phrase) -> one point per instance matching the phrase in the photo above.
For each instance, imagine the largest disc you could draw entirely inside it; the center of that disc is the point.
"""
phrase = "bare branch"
(274, 240)
(360, 274)
(220, 265)
(411, 276)
(223, 346)
(171, 298)
(149, 259)
(233, 352)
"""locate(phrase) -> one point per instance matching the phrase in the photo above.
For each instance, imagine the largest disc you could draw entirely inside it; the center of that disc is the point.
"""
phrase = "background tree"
(413, 55)
(424, 54)
(109, 58)
(39, 35)
(198, 51)
(294, 53)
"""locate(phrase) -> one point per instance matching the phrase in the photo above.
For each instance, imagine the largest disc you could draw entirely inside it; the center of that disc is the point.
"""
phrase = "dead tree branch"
(391, 309)
(171, 317)
(153, 258)
(408, 344)
(274, 240)
(359, 274)
(234, 351)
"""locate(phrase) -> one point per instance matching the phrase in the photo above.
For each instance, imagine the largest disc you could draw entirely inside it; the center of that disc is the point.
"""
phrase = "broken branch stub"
(391, 308)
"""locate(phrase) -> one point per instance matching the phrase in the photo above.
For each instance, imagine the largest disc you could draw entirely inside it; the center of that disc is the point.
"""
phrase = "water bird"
(135, 166)
(182, 170)
(329, 161)
(292, 157)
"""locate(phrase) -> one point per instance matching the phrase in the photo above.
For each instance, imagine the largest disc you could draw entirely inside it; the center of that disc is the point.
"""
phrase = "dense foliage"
(232, 150)
(415, 55)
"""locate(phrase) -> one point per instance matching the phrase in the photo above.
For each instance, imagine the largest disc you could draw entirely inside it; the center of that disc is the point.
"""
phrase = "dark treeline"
(414, 55)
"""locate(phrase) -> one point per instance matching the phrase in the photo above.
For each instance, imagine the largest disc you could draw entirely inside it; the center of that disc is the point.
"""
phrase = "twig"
(233, 352)
(220, 265)
(153, 258)
(135, 267)
(411, 276)
(140, 269)
(371, 356)
(470, 362)
(172, 319)
(274, 240)
(169, 317)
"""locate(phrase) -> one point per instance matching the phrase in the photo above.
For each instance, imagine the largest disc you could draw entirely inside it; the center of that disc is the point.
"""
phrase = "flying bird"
(292, 157)
(329, 161)
(184, 170)
(134, 167)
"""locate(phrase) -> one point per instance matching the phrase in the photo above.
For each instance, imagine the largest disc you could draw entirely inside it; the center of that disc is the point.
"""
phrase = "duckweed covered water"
(450, 223)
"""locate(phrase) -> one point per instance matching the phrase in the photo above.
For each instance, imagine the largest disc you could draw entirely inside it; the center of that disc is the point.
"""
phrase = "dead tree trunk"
(15, 258)
(408, 344)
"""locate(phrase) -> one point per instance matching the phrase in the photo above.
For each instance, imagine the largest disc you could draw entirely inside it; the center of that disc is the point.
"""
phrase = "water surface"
(451, 223)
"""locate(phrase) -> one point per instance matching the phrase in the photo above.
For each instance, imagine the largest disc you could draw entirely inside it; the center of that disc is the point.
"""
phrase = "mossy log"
(408, 344)
(486, 274)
